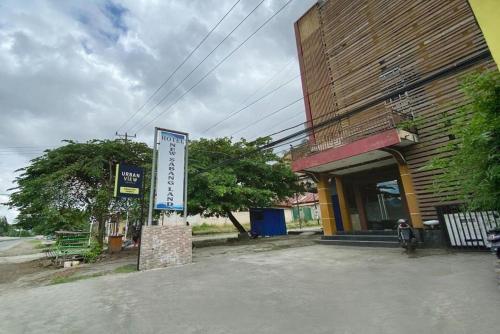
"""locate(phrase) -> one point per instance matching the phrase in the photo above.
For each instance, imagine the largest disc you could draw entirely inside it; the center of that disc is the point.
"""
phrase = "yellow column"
(325, 206)
(344, 211)
(411, 198)
(487, 13)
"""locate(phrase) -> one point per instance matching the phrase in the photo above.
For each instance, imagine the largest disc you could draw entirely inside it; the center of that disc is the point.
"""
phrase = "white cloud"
(78, 69)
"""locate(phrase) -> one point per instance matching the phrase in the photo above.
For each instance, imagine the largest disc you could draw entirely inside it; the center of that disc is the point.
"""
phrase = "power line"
(179, 66)
(275, 75)
(300, 113)
(267, 116)
(282, 108)
(376, 98)
(234, 113)
(219, 63)
(13, 148)
(246, 154)
(19, 147)
(202, 61)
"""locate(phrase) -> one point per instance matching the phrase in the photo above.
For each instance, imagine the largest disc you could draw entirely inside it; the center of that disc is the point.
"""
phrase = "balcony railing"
(347, 134)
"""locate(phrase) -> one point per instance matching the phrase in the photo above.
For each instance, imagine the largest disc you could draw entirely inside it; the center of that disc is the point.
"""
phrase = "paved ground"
(7, 243)
(18, 250)
(313, 289)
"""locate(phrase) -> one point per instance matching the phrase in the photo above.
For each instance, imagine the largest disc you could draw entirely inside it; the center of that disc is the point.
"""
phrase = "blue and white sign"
(170, 171)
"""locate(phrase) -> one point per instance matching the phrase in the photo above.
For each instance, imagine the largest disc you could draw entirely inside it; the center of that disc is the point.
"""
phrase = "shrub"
(474, 168)
(93, 252)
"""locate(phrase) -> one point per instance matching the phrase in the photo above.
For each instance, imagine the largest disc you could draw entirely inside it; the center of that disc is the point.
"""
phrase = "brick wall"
(165, 246)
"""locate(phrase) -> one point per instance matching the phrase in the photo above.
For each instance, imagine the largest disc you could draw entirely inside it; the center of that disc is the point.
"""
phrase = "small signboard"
(128, 181)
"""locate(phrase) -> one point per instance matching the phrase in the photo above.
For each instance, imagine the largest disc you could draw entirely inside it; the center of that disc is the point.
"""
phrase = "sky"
(81, 69)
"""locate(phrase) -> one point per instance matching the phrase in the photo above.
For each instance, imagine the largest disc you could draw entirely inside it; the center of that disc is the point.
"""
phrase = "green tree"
(226, 176)
(4, 226)
(67, 186)
(474, 168)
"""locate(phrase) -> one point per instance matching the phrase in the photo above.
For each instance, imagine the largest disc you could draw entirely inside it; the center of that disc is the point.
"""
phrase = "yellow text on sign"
(129, 190)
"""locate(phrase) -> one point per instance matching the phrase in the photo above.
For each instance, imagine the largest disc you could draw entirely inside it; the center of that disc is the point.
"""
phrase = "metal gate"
(467, 229)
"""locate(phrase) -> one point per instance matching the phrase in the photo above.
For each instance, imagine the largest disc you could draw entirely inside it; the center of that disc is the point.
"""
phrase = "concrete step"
(361, 237)
(359, 243)
(369, 232)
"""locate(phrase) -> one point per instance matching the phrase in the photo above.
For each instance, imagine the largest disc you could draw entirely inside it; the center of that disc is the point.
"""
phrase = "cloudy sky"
(80, 69)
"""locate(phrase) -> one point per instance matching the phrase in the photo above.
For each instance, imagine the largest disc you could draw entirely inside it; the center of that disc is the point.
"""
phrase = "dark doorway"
(336, 213)
(379, 201)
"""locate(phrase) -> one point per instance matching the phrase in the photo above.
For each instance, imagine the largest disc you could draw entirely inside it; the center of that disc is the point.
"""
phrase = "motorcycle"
(494, 238)
(406, 236)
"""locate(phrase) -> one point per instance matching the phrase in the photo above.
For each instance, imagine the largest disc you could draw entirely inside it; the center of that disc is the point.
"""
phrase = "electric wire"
(179, 65)
(234, 113)
(300, 113)
(199, 64)
(281, 109)
(276, 74)
(271, 79)
(218, 64)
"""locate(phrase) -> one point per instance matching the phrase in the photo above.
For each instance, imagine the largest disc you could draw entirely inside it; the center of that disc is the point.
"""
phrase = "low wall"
(165, 246)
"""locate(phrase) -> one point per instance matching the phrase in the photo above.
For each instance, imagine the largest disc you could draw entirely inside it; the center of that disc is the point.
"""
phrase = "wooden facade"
(364, 59)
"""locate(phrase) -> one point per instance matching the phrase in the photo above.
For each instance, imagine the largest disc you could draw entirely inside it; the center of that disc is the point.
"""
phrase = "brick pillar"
(344, 211)
(165, 246)
(325, 206)
(411, 197)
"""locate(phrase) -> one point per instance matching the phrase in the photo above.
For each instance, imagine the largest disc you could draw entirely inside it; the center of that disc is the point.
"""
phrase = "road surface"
(7, 243)
(314, 289)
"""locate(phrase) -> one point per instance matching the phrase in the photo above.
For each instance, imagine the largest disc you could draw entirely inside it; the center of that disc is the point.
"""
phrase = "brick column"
(165, 246)
(325, 206)
(411, 197)
(344, 211)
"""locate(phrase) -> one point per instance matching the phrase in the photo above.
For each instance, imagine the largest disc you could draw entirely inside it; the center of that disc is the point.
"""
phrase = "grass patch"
(61, 279)
(68, 279)
(215, 229)
(128, 268)
(295, 224)
(229, 228)
(38, 244)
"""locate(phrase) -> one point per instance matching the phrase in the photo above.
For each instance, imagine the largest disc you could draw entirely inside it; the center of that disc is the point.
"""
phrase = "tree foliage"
(226, 176)
(475, 165)
(4, 226)
(67, 186)
(70, 185)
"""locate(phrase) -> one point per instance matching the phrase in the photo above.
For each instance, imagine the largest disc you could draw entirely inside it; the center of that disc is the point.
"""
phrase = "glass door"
(383, 204)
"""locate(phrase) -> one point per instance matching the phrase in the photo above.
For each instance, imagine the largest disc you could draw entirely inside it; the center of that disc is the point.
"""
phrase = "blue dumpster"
(267, 222)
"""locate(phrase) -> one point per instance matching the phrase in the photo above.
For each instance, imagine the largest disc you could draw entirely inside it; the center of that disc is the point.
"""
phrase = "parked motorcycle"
(406, 236)
(494, 238)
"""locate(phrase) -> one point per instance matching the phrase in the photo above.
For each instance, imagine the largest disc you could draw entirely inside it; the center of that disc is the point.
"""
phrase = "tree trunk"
(101, 229)
(236, 223)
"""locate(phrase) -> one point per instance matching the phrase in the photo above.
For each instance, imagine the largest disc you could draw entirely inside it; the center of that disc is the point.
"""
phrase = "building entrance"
(374, 199)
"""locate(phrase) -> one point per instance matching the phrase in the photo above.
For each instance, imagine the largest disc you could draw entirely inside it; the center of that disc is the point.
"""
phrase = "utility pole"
(126, 136)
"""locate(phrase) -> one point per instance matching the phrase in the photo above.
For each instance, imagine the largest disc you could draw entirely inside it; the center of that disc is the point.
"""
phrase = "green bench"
(69, 246)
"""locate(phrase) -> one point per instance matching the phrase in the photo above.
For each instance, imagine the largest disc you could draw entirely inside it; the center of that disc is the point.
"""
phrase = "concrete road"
(315, 289)
(7, 243)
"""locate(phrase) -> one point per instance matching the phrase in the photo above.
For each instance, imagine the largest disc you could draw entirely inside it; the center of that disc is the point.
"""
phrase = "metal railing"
(343, 135)
(467, 229)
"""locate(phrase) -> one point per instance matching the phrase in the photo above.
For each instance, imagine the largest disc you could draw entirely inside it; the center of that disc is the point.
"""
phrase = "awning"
(359, 155)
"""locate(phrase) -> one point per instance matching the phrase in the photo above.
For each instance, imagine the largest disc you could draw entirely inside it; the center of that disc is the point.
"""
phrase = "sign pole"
(186, 179)
(153, 179)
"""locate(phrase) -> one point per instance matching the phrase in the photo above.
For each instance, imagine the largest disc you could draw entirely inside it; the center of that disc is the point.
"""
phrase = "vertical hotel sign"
(171, 171)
